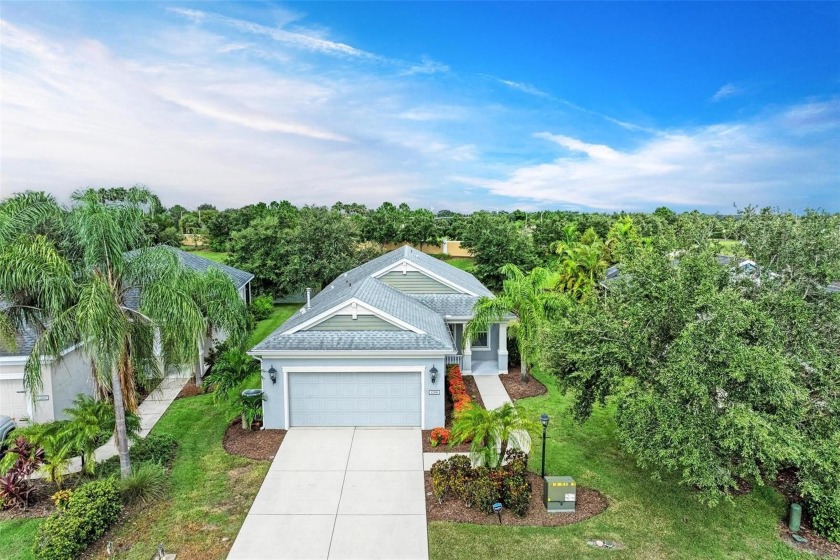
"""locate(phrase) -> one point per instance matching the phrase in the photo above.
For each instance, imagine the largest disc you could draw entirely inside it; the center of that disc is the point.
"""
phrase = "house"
(64, 379)
(371, 348)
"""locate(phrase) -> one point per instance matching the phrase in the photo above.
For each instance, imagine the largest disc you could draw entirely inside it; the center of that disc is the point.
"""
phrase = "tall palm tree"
(86, 288)
(581, 266)
(531, 299)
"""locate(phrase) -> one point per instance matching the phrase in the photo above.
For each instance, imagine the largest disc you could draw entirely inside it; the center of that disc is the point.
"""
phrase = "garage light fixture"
(272, 374)
(433, 372)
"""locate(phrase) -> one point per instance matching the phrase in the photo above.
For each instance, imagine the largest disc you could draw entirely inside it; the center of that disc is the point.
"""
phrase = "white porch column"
(467, 366)
(503, 351)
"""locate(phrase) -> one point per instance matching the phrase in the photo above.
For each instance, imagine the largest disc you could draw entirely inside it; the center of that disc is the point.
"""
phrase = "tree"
(492, 432)
(716, 377)
(263, 248)
(531, 299)
(420, 228)
(88, 300)
(495, 241)
(382, 225)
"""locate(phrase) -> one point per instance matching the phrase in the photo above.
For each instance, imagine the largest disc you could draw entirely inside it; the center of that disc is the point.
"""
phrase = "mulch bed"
(190, 390)
(472, 391)
(40, 504)
(519, 390)
(786, 483)
(590, 503)
(254, 444)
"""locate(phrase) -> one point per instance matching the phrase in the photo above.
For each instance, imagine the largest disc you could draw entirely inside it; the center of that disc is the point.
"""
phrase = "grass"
(16, 538)
(213, 256)
(267, 326)
(464, 263)
(730, 248)
(651, 519)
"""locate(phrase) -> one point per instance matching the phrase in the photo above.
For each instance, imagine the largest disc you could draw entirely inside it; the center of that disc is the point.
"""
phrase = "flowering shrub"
(440, 436)
(457, 388)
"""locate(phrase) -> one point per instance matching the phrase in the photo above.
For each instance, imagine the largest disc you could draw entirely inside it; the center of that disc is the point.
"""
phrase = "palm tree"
(90, 422)
(531, 299)
(492, 432)
(86, 288)
(581, 266)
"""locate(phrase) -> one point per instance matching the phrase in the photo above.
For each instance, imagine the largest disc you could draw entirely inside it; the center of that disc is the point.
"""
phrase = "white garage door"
(354, 399)
(13, 399)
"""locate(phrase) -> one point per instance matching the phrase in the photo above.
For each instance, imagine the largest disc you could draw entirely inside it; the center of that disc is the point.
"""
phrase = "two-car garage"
(354, 398)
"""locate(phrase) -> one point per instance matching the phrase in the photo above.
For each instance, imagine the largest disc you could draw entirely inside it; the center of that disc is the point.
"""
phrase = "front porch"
(489, 357)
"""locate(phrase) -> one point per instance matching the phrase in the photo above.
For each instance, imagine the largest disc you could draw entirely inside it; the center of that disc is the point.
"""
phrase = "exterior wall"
(429, 249)
(414, 282)
(13, 401)
(490, 355)
(453, 249)
(360, 323)
(274, 407)
(70, 377)
(494, 354)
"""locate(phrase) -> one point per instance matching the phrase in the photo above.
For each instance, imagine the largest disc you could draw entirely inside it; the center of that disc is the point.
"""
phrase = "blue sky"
(445, 105)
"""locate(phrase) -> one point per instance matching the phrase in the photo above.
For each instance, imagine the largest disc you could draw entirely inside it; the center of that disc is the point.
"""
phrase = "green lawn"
(16, 538)
(267, 326)
(213, 256)
(730, 248)
(464, 263)
(650, 519)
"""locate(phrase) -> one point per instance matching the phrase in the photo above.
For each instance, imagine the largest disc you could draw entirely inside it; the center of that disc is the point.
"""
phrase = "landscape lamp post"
(544, 422)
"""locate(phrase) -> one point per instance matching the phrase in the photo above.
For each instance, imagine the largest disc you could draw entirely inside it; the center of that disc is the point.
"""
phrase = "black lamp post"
(544, 421)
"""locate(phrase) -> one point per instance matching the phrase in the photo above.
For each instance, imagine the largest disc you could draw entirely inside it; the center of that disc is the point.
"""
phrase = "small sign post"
(497, 507)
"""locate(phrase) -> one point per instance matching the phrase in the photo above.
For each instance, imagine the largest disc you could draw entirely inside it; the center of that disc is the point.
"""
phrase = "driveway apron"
(340, 493)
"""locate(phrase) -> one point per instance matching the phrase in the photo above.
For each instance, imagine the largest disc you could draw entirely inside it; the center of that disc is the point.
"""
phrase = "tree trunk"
(199, 366)
(121, 433)
(523, 373)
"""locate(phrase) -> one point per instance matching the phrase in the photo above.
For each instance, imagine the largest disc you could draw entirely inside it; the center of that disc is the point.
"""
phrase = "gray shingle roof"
(201, 264)
(378, 295)
(423, 311)
(834, 287)
(25, 340)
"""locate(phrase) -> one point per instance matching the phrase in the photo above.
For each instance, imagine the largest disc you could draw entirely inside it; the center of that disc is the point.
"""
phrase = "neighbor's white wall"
(70, 377)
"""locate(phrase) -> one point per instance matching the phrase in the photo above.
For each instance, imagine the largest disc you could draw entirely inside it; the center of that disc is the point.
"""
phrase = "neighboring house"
(65, 379)
(365, 351)
(833, 288)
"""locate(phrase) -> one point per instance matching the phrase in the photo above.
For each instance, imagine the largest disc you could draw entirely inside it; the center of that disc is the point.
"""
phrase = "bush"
(90, 510)
(146, 483)
(439, 436)
(516, 462)
(439, 473)
(483, 490)
(261, 307)
(516, 494)
(155, 448)
(460, 473)
(819, 483)
(61, 499)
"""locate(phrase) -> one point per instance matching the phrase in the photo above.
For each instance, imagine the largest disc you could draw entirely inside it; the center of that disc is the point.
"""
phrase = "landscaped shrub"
(156, 448)
(21, 461)
(819, 483)
(439, 474)
(439, 436)
(261, 307)
(61, 499)
(483, 490)
(460, 475)
(90, 510)
(146, 483)
(457, 388)
(516, 494)
(516, 462)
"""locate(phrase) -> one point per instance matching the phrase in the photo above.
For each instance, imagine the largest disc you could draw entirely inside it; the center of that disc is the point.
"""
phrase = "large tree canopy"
(717, 376)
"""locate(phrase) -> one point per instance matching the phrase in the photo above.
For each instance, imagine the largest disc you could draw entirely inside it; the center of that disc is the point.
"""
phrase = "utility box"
(560, 494)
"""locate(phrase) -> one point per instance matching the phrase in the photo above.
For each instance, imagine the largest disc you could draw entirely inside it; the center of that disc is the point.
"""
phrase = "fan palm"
(492, 432)
(528, 297)
(87, 289)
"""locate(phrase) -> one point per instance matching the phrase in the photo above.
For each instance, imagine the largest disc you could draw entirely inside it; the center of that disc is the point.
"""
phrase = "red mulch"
(519, 390)
(590, 503)
(190, 390)
(472, 391)
(253, 444)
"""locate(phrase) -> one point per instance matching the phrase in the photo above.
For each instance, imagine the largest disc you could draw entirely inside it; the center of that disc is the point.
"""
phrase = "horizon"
(459, 106)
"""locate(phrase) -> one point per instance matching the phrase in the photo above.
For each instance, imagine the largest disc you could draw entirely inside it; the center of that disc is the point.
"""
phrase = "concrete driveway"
(340, 493)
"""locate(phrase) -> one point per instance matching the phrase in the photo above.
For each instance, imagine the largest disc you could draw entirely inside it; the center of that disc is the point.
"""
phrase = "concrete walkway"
(150, 411)
(340, 493)
(492, 391)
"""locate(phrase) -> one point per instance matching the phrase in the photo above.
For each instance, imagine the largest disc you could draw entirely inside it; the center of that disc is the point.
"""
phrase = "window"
(481, 341)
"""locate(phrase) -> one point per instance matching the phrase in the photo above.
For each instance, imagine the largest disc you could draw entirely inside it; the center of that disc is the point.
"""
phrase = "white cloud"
(772, 160)
(426, 66)
(726, 91)
(524, 88)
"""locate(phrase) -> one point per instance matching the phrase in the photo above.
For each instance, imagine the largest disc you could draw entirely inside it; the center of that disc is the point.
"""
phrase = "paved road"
(340, 493)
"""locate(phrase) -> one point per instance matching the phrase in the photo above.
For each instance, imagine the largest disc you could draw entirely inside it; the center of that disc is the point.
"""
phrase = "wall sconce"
(272, 374)
(433, 372)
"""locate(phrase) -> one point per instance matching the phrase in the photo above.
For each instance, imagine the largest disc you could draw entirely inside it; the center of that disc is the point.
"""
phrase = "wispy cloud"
(523, 87)
(708, 167)
(726, 91)
(426, 66)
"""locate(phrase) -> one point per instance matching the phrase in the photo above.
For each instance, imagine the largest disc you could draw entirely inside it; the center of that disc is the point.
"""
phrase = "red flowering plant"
(439, 436)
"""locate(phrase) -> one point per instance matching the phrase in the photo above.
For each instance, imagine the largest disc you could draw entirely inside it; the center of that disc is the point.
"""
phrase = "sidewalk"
(150, 411)
(492, 391)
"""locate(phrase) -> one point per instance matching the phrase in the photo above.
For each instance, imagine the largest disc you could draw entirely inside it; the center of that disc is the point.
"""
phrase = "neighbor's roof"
(834, 287)
(25, 340)
(422, 311)
(198, 263)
